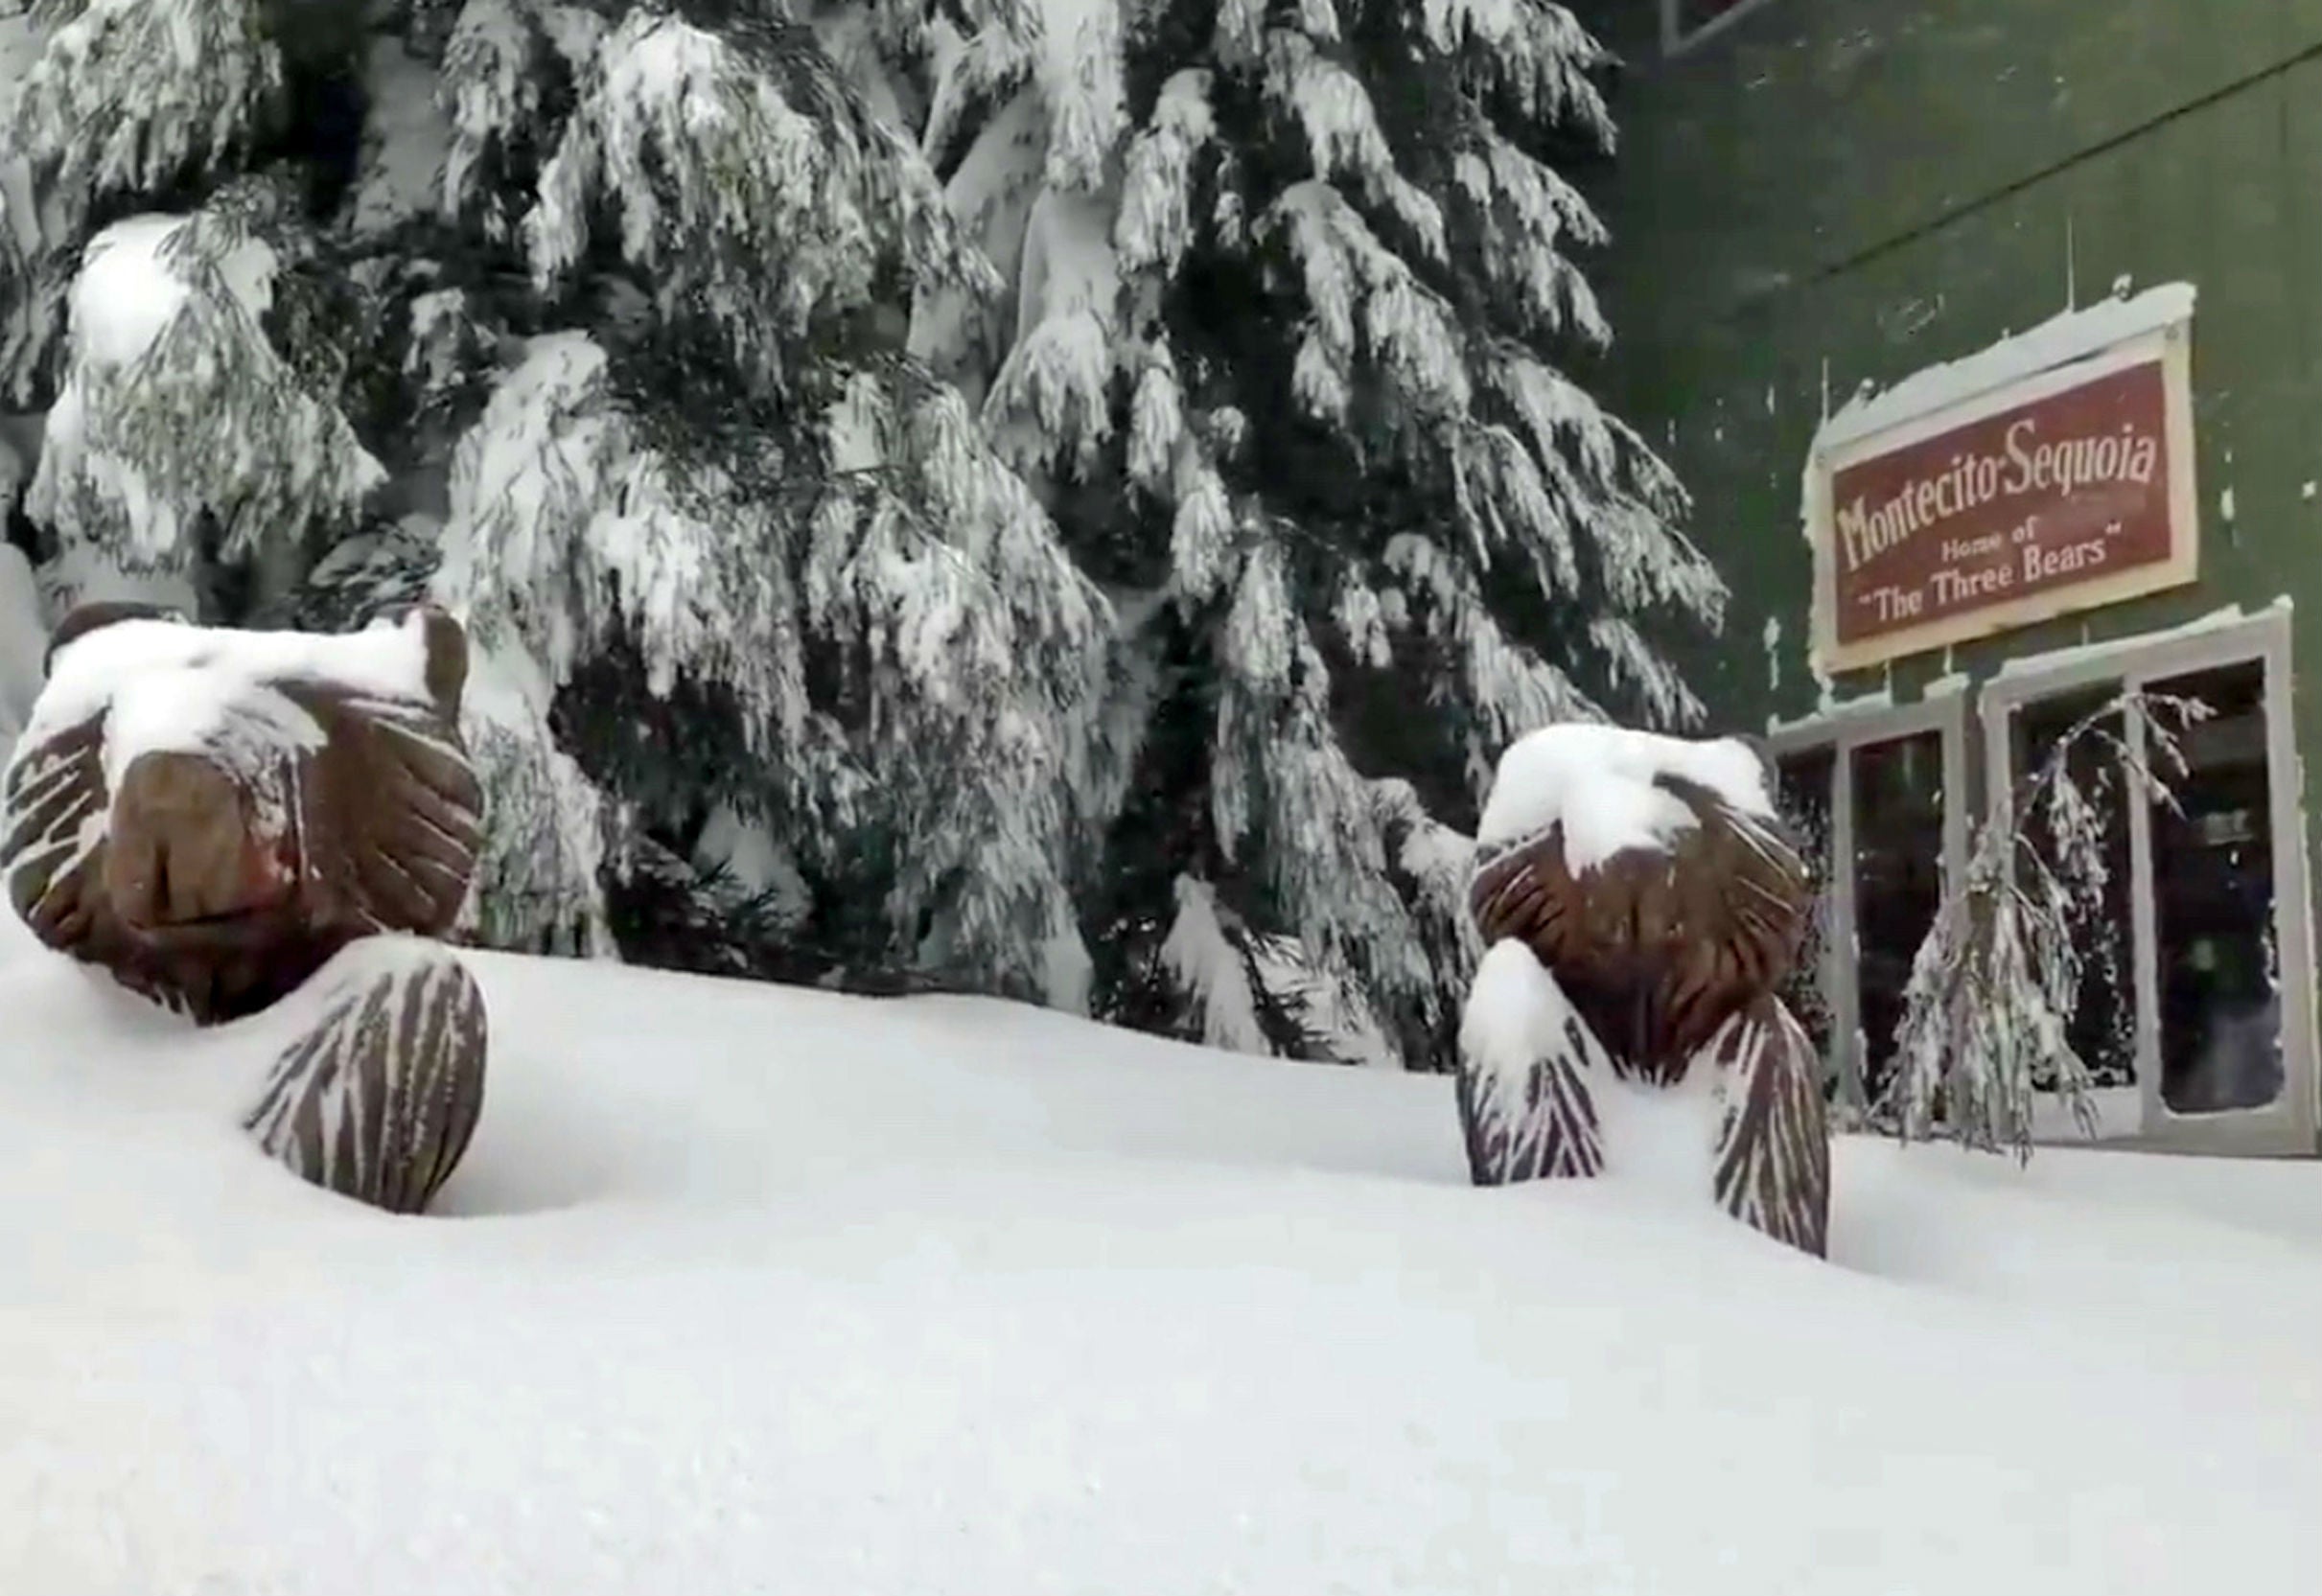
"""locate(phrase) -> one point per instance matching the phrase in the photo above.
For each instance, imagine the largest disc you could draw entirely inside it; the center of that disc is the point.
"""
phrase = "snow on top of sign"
(2064, 338)
(1597, 781)
(166, 684)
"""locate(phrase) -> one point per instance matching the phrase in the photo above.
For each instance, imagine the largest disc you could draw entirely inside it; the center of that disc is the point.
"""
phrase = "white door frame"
(1674, 39)
(1841, 731)
(2289, 1124)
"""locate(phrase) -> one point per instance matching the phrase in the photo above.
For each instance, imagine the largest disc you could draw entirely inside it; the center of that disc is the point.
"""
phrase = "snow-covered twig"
(1995, 984)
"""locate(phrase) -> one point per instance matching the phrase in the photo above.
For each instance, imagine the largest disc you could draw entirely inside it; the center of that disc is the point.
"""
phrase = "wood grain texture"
(1650, 966)
(318, 837)
(378, 1100)
(219, 889)
(1656, 947)
(1772, 1169)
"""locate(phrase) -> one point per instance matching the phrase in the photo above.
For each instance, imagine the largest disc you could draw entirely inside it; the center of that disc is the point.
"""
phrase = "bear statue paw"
(377, 1100)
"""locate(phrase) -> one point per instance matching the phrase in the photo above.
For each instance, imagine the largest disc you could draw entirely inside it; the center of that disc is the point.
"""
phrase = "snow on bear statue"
(221, 818)
(1641, 902)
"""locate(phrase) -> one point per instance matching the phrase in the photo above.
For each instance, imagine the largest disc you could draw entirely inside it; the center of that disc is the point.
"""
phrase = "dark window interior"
(2213, 869)
(1898, 880)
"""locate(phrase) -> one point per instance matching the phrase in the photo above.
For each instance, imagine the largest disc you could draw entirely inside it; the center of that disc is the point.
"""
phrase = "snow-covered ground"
(753, 1290)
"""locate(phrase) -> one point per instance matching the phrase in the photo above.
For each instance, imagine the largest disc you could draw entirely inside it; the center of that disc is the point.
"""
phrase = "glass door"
(2213, 866)
(1877, 797)
(1899, 795)
(2194, 1039)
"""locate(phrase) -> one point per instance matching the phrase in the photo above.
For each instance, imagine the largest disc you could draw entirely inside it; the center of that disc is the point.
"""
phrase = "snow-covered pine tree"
(767, 559)
(225, 251)
(590, 319)
(1294, 288)
(825, 595)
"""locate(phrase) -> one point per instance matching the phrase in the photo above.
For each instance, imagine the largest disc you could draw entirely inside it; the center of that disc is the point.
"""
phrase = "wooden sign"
(2064, 491)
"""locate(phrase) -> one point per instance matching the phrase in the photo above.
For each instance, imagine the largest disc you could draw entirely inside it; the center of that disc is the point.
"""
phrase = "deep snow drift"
(757, 1290)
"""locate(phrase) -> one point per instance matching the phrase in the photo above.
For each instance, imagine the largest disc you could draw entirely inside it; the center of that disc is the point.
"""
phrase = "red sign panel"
(2079, 496)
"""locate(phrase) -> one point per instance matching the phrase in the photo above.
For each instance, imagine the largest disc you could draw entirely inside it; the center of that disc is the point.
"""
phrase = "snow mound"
(1597, 781)
(742, 1288)
(130, 287)
(128, 292)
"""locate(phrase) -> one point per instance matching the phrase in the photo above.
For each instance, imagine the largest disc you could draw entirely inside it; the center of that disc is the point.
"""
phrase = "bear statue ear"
(97, 614)
(447, 670)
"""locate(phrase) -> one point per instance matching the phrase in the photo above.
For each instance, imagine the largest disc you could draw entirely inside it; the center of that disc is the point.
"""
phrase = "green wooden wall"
(1833, 192)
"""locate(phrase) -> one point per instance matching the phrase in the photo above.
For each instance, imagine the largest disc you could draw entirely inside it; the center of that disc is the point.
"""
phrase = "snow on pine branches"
(176, 409)
(1077, 482)
(901, 646)
(608, 346)
(743, 184)
(1293, 359)
(128, 96)
(1987, 1013)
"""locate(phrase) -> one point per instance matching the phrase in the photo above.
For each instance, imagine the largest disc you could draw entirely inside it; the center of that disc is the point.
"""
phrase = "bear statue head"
(1656, 946)
(212, 814)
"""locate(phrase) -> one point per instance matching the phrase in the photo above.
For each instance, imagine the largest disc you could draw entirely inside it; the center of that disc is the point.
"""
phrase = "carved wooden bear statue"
(1640, 904)
(222, 817)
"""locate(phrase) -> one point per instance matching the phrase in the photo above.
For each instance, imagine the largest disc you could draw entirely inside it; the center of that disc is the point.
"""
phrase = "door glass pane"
(2102, 1024)
(1803, 780)
(1898, 880)
(2213, 874)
